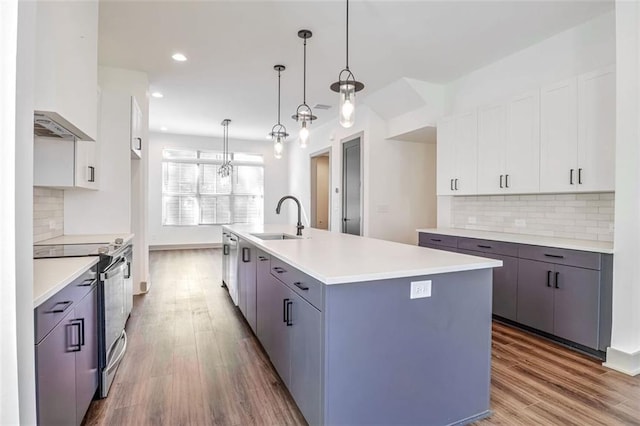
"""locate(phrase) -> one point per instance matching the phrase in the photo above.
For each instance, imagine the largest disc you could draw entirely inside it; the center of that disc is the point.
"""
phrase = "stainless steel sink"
(277, 236)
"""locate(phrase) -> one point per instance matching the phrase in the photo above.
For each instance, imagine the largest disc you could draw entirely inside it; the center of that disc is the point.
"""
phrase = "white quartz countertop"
(535, 240)
(52, 275)
(86, 239)
(335, 258)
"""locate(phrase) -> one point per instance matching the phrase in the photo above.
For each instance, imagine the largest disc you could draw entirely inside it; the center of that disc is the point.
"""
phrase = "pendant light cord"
(304, 74)
(278, 96)
(347, 35)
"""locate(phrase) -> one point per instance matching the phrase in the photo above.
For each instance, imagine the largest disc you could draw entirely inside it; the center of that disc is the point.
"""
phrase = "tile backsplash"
(578, 216)
(48, 213)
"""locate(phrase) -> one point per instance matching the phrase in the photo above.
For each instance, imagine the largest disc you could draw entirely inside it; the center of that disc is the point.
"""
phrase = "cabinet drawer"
(263, 263)
(488, 246)
(60, 304)
(437, 240)
(309, 288)
(581, 259)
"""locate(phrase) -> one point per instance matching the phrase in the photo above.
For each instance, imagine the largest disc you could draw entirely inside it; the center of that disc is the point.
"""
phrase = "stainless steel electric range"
(115, 298)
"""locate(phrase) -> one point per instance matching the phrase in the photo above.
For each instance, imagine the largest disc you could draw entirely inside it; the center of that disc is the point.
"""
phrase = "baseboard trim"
(184, 246)
(624, 362)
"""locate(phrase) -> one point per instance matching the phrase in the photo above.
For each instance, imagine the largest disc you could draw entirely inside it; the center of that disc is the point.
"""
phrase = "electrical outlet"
(521, 223)
(420, 289)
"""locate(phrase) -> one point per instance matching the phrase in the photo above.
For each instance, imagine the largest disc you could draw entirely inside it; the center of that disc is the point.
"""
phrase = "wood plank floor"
(192, 360)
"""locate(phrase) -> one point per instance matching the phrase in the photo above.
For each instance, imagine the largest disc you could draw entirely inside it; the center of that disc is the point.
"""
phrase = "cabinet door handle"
(71, 330)
(456, 184)
(557, 276)
(285, 311)
(580, 176)
(484, 246)
(225, 249)
(233, 239)
(139, 147)
(571, 177)
(279, 270)
(246, 255)
(555, 256)
(262, 259)
(506, 181)
(289, 321)
(437, 240)
(301, 286)
(88, 282)
(66, 305)
(501, 176)
(548, 278)
(451, 184)
(81, 331)
(92, 174)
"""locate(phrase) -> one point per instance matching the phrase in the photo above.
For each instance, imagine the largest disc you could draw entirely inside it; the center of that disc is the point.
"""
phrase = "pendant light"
(278, 131)
(303, 114)
(347, 86)
(226, 169)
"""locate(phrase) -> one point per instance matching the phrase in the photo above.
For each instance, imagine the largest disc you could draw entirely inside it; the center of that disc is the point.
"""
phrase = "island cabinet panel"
(440, 242)
(390, 359)
(309, 288)
(247, 289)
(87, 357)
(273, 301)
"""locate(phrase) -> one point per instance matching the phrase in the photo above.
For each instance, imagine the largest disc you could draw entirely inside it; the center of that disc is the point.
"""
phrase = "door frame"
(321, 153)
(360, 136)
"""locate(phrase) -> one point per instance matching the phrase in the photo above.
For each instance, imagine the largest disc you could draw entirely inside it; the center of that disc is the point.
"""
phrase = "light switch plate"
(420, 289)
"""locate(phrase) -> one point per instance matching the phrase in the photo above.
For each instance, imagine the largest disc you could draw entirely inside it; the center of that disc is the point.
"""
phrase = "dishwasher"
(230, 265)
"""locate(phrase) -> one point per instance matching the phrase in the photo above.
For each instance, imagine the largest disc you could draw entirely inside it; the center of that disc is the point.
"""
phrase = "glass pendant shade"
(278, 148)
(347, 104)
(304, 135)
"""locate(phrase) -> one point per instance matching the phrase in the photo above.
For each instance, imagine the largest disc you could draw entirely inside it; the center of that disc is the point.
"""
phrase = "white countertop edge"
(345, 279)
(533, 240)
(87, 239)
(73, 273)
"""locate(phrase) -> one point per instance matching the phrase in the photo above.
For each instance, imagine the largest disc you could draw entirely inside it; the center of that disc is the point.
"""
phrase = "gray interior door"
(351, 196)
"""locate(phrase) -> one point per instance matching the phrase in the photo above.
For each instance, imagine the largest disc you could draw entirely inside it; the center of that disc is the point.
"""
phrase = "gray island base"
(334, 314)
(394, 360)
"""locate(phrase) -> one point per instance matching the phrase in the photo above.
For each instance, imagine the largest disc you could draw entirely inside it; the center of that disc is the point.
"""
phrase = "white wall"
(398, 177)
(9, 405)
(275, 186)
(586, 47)
(624, 353)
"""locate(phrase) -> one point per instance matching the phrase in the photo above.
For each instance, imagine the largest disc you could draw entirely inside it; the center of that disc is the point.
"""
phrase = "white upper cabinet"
(65, 164)
(522, 146)
(597, 130)
(492, 136)
(509, 146)
(136, 129)
(457, 151)
(578, 131)
(66, 73)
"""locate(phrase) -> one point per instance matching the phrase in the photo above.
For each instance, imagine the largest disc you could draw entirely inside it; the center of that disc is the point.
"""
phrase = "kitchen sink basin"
(277, 236)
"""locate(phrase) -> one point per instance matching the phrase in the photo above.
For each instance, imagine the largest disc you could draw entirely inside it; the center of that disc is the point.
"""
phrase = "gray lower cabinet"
(67, 364)
(561, 292)
(505, 284)
(289, 329)
(247, 282)
(560, 300)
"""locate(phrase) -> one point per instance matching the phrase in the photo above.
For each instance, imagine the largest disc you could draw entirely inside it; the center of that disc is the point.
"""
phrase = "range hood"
(53, 125)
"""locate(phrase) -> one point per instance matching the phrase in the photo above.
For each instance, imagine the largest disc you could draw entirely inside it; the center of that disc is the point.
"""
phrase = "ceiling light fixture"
(157, 95)
(278, 131)
(225, 170)
(347, 86)
(304, 114)
(179, 57)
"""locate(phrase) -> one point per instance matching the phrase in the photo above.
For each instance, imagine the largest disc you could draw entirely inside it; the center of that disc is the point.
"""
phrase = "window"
(194, 194)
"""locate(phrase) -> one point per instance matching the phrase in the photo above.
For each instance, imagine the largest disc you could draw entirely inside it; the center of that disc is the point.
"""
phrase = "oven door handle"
(114, 271)
(113, 364)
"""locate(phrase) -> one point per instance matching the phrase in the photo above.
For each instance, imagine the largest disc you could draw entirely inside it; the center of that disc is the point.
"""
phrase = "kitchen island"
(365, 331)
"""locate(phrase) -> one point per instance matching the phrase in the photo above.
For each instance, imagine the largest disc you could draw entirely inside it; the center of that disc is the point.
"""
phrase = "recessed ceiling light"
(179, 57)
(157, 95)
(164, 129)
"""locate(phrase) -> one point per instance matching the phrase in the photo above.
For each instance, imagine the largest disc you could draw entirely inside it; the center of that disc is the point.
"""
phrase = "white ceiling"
(233, 45)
